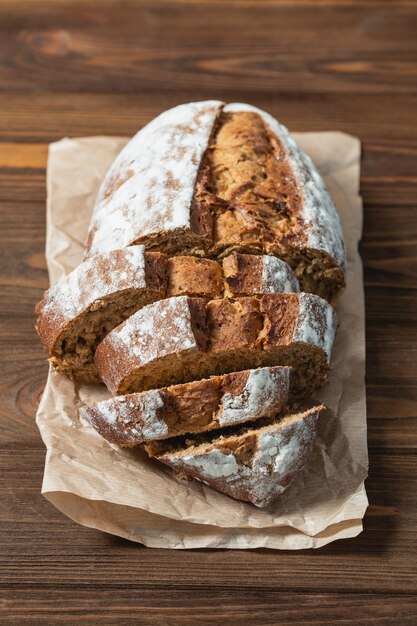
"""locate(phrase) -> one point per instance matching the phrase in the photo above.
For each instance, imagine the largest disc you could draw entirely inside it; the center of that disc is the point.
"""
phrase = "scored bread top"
(193, 407)
(149, 194)
(322, 229)
(257, 465)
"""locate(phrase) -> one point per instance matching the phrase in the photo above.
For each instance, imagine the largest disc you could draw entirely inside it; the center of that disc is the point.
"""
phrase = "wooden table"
(107, 67)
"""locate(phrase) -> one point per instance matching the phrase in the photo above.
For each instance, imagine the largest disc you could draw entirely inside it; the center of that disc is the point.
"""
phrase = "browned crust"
(280, 317)
(193, 407)
(245, 332)
(193, 276)
(243, 274)
(248, 173)
(165, 277)
(233, 325)
(262, 486)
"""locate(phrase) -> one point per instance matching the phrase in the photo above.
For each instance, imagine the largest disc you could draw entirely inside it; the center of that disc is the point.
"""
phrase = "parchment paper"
(121, 491)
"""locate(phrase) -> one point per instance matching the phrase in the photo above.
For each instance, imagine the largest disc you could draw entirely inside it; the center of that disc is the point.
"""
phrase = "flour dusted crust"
(77, 312)
(301, 318)
(182, 339)
(207, 227)
(80, 309)
(250, 274)
(257, 465)
(194, 407)
(207, 179)
(169, 331)
(148, 191)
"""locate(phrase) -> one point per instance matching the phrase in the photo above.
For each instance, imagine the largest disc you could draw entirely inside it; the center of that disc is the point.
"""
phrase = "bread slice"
(80, 309)
(256, 464)
(237, 275)
(182, 339)
(194, 407)
(206, 179)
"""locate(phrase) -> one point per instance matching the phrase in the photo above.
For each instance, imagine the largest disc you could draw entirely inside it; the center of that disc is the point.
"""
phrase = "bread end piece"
(256, 465)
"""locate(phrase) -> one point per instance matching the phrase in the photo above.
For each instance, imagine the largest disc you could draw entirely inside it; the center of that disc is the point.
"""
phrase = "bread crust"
(182, 338)
(192, 276)
(193, 407)
(256, 466)
(146, 196)
(165, 331)
(207, 178)
(115, 283)
(250, 274)
(107, 288)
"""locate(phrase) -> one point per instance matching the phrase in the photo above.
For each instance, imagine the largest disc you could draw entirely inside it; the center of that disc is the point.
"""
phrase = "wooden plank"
(389, 150)
(203, 606)
(261, 3)
(33, 535)
(136, 46)
(388, 119)
(21, 155)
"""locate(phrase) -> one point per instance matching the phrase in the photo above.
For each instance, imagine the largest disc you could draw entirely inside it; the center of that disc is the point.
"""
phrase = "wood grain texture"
(71, 68)
(375, 561)
(193, 606)
(137, 46)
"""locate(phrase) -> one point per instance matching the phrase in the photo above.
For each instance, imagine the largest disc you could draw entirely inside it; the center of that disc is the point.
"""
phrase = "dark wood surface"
(107, 67)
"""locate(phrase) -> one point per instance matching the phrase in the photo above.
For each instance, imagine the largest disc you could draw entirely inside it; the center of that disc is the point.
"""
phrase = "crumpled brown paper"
(121, 491)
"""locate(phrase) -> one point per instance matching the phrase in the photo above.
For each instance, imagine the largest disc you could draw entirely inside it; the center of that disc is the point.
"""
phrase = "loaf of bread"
(188, 305)
(194, 407)
(181, 339)
(82, 308)
(254, 463)
(206, 179)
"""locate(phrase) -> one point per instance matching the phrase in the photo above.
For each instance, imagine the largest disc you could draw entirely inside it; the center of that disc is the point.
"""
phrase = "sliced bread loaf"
(182, 339)
(190, 408)
(256, 463)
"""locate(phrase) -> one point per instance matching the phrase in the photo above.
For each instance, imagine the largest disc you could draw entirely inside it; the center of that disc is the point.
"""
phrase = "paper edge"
(207, 539)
